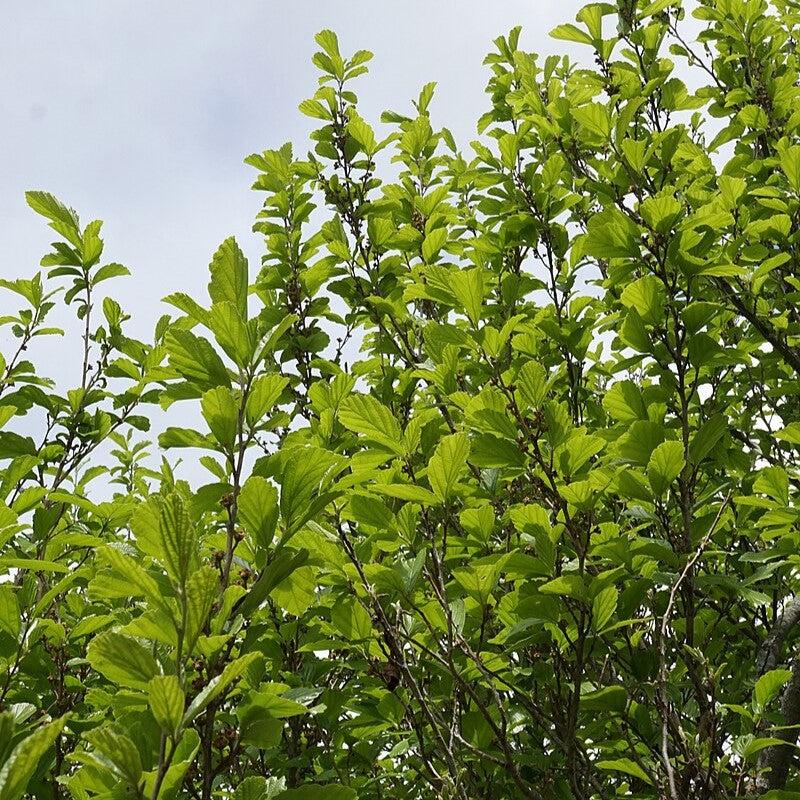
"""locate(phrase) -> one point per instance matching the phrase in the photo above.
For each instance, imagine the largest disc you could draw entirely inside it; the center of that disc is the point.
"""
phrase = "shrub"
(500, 454)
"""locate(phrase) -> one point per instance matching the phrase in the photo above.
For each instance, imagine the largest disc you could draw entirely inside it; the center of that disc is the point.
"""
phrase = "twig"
(665, 621)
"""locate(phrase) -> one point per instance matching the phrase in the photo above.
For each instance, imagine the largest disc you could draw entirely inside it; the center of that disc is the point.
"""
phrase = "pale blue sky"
(140, 113)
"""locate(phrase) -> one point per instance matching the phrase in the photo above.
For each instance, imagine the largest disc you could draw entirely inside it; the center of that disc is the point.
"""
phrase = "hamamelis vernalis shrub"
(501, 456)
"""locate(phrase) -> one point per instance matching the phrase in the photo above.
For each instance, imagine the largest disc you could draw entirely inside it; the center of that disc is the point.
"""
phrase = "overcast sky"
(140, 113)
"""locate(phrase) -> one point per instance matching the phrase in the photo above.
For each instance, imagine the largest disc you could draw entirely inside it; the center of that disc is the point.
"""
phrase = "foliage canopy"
(502, 453)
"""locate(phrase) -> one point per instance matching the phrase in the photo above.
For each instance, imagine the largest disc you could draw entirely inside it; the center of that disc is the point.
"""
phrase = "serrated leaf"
(531, 383)
(166, 700)
(768, 686)
(178, 538)
(263, 396)
(25, 759)
(66, 219)
(220, 408)
(202, 589)
(603, 607)
(196, 360)
(706, 438)
(434, 241)
(407, 491)
(446, 464)
(647, 296)
(565, 585)
(609, 698)
(9, 611)
(361, 131)
(365, 414)
(623, 401)
(258, 510)
(666, 463)
(122, 660)
(468, 288)
(315, 791)
(120, 752)
(229, 276)
(570, 33)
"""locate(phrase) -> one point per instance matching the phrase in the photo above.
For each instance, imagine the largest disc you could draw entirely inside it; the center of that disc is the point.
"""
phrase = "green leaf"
(352, 620)
(229, 276)
(578, 450)
(264, 394)
(625, 765)
(122, 660)
(532, 383)
(791, 433)
(610, 234)
(434, 241)
(570, 33)
(276, 707)
(773, 482)
(365, 414)
(666, 463)
(202, 590)
(258, 510)
(768, 686)
(9, 611)
(407, 491)
(790, 164)
(595, 119)
(360, 130)
(296, 592)
(609, 698)
(468, 288)
(634, 333)
(220, 407)
(314, 109)
(119, 751)
(196, 360)
(329, 42)
(566, 586)
(62, 219)
(26, 758)
(166, 700)
(178, 538)
(139, 582)
(13, 445)
(232, 332)
(603, 607)
(446, 464)
(185, 752)
(184, 437)
(647, 296)
(706, 438)
(258, 788)
(660, 213)
(623, 401)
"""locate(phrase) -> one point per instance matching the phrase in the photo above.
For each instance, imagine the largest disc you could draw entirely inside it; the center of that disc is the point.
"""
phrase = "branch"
(662, 650)
(773, 762)
(770, 650)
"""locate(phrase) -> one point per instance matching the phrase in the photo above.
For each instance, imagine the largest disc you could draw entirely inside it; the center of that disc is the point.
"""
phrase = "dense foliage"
(502, 454)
